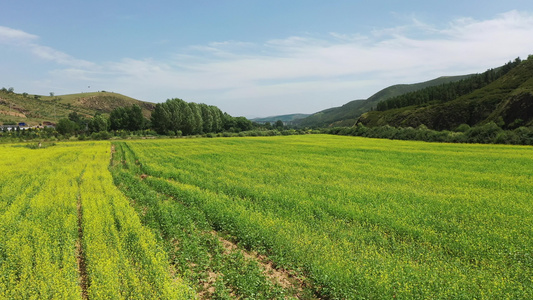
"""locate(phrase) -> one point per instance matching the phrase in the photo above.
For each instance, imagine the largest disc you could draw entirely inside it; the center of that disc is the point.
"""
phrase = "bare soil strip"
(285, 278)
(84, 280)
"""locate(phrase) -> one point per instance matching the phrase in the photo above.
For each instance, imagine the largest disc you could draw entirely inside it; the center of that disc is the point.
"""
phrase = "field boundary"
(80, 254)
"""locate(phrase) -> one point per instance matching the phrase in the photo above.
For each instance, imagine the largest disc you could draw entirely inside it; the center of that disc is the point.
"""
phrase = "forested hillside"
(347, 114)
(503, 96)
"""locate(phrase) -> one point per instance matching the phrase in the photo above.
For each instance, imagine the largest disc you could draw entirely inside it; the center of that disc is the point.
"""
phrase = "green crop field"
(312, 216)
(360, 218)
(66, 232)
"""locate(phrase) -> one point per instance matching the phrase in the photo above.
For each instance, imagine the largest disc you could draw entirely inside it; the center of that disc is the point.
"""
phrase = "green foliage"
(285, 118)
(189, 118)
(197, 252)
(98, 123)
(64, 222)
(362, 218)
(197, 123)
(489, 133)
(351, 111)
(472, 101)
(66, 127)
(207, 118)
(127, 118)
(449, 91)
(37, 109)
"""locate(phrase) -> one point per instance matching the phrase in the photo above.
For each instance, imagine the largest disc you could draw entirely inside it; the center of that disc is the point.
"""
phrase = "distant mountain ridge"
(348, 114)
(284, 118)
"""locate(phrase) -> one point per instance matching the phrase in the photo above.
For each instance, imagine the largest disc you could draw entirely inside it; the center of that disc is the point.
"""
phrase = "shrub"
(484, 134)
(463, 128)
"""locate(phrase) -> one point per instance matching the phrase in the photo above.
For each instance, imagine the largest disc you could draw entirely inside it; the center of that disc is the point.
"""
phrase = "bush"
(524, 135)
(484, 134)
(102, 135)
(463, 128)
(487, 133)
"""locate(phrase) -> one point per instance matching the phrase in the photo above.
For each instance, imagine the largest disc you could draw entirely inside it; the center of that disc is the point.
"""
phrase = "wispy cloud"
(30, 42)
(303, 73)
(14, 36)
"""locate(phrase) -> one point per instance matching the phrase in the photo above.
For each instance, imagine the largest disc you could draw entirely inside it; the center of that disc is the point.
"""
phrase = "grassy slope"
(510, 97)
(347, 114)
(17, 108)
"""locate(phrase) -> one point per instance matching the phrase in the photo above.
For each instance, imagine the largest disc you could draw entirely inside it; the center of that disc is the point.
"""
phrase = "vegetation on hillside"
(489, 133)
(348, 114)
(501, 96)
(36, 109)
(506, 101)
(449, 91)
(289, 119)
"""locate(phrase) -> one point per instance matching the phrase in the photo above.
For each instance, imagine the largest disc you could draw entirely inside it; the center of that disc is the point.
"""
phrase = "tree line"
(175, 117)
(489, 133)
(449, 91)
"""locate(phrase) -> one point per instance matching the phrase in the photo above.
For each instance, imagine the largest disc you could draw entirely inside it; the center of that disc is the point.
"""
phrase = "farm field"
(66, 232)
(345, 217)
(307, 217)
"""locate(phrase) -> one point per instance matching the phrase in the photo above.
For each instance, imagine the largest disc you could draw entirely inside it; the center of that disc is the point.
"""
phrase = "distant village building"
(26, 126)
(9, 127)
(49, 124)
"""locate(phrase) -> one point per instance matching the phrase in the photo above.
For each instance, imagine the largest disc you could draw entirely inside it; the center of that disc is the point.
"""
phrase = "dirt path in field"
(80, 255)
(285, 278)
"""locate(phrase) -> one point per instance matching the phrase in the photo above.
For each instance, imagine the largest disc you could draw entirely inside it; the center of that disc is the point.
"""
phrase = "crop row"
(197, 252)
(363, 218)
(66, 232)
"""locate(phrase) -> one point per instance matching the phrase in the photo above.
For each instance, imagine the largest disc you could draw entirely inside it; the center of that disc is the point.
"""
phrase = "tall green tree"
(66, 126)
(118, 119)
(136, 120)
(196, 120)
(127, 118)
(189, 118)
(207, 118)
(160, 118)
(98, 123)
(218, 119)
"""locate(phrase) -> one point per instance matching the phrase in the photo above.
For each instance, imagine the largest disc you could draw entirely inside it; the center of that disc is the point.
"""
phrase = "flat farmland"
(351, 217)
(66, 231)
(314, 216)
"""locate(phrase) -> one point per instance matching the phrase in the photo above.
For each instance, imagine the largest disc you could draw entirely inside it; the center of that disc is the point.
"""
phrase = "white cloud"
(303, 73)
(59, 57)
(27, 41)
(14, 36)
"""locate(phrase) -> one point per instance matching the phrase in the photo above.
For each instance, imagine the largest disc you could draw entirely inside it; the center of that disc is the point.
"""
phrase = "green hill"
(507, 101)
(35, 109)
(347, 114)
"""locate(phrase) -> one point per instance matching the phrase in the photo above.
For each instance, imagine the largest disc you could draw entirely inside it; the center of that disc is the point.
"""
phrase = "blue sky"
(253, 58)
